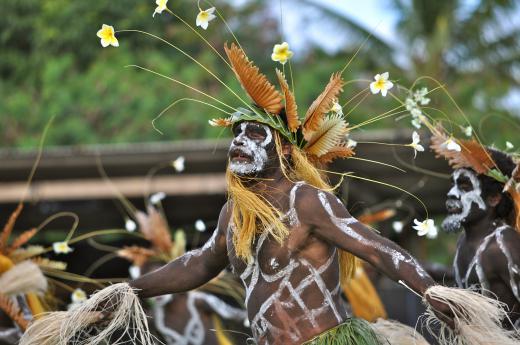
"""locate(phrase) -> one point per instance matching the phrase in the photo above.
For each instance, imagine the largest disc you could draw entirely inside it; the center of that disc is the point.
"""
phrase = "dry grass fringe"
(478, 319)
(397, 333)
(21, 240)
(78, 326)
(23, 278)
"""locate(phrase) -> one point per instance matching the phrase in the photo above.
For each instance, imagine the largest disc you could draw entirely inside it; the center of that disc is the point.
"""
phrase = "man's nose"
(238, 141)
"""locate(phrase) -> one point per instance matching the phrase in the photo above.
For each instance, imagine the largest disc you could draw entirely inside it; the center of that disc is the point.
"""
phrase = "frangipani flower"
(381, 83)
(415, 144)
(78, 296)
(61, 248)
(204, 17)
(451, 145)
(178, 164)
(200, 226)
(281, 53)
(161, 6)
(108, 36)
(130, 225)
(426, 227)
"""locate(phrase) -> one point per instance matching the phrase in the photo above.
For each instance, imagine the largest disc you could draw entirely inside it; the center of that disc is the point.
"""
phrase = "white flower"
(281, 53)
(351, 143)
(468, 131)
(381, 83)
(178, 164)
(419, 96)
(134, 271)
(78, 296)
(416, 112)
(398, 226)
(415, 144)
(416, 123)
(157, 197)
(200, 226)
(410, 104)
(130, 225)
(161, 6)
(433, 233)
(204, 17)
(61, 248)
(509, 145)
(336, 108)
(425, 227)
(451, 145)
(108, 36)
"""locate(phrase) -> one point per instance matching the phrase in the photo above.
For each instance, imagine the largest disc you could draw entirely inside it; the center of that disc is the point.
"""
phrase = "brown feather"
(472, 154)
(329, 134)
(138, 255)
(8, 228)
(13, 312)
(155, 229)
(339, 151)
(256, 85)
(376, 217)
(291, 109)
(322, 104)
(513, 188)
(21, 240)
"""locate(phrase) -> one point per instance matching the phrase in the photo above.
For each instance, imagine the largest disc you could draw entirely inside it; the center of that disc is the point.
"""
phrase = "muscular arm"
(508, 241)
(330, 220)
(191, 270)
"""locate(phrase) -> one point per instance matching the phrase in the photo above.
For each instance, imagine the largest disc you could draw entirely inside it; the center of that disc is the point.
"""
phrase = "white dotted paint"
(463, 199)
(343, 224)
(274, 264)
(254, 149)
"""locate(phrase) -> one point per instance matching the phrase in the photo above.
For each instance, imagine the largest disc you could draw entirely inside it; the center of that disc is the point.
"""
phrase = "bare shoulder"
(225, 217)
(508, 238)
(313, 203)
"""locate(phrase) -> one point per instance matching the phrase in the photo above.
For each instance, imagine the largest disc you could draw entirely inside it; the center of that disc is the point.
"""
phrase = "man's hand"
(442, 311)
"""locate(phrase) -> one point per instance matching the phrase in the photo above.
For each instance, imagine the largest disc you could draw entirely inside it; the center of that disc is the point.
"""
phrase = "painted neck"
(483, 227)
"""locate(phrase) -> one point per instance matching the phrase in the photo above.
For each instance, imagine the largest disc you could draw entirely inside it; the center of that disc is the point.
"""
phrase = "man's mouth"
(453, 206)
(239, 156)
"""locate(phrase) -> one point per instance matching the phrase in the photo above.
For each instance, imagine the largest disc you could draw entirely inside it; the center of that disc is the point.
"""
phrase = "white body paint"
(209, 245)
(344, 225)
(464, 200)
(476, 264)
(194, 332)
(260, 323)
(251, 148)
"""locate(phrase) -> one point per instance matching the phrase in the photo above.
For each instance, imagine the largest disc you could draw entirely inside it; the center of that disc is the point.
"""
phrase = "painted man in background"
(488, 250)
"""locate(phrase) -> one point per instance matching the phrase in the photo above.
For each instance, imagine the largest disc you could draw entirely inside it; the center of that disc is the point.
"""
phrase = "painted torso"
(292, 291)
(488, 265)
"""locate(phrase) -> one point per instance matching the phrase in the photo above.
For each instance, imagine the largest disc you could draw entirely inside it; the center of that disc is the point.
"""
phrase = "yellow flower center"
(203, 15)
(380, 83)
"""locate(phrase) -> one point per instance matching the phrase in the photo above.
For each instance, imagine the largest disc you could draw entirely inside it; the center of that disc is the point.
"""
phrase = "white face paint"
(465, 191)
(248, 155)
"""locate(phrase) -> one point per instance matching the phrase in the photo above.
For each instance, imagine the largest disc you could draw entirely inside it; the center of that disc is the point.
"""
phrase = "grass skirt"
(354, 331)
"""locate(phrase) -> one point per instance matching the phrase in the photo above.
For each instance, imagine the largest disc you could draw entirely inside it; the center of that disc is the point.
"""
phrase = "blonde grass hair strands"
(253, 214)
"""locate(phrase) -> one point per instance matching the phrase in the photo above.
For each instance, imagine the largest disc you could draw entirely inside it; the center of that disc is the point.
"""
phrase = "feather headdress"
(321, 135)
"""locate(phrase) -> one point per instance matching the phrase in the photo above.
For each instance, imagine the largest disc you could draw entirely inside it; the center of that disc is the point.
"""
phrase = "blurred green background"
(51, 63)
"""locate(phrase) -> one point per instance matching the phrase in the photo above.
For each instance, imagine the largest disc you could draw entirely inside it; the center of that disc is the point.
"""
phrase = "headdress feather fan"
(329, 134)
(322, 104)
(291, 109)
(256, 85)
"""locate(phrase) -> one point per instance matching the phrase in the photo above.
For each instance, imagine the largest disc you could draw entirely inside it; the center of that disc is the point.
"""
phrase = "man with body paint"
(292, 287)
(488, 250)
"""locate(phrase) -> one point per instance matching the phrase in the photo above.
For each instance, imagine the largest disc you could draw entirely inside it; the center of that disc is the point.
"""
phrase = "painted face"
(464, 202)
(248, 152)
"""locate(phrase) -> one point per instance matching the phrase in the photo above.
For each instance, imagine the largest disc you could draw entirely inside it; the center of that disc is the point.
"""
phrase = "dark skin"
(302, 301)
(499, 251)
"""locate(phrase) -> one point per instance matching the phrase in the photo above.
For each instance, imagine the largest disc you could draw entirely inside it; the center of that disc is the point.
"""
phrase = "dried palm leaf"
(472, 154)
(21, 240)
(322, 104)
(155, 229)
(23, 278)
(256, 85)
(21, 254)
(138, 255)
(220, 122)
(291, 108)
(338, 151)
(8, 228)
(329, 134)
(50, 264)
(375, 217)
(13, 312)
